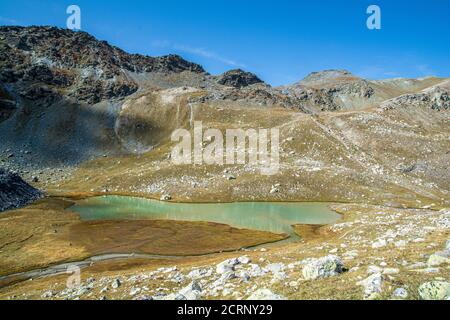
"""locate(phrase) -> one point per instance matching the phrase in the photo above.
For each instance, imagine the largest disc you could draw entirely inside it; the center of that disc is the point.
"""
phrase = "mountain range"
(68, 98)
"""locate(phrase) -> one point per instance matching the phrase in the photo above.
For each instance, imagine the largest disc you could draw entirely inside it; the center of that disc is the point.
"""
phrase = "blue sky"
(281, 41)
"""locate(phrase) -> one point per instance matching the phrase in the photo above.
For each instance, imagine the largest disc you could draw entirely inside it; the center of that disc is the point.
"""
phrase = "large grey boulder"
(191, 292)
(322, 267)
(372, 286)
(226, 266)
(435, 290)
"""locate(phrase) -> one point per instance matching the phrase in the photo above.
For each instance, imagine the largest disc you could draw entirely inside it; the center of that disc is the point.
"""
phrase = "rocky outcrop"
(43, 63)
(436, 98)
(14, 192)
(330, 90)
(238, 79)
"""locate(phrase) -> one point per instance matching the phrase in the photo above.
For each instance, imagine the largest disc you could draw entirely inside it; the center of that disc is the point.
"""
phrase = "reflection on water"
(275, 217)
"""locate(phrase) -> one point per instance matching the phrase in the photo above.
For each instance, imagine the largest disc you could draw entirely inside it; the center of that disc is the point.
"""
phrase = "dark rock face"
(7, 105)
(238, 79)
(14, 192)
(46, 63)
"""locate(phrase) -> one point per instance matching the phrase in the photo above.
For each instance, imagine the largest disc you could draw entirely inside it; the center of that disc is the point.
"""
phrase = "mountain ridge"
(66, 97)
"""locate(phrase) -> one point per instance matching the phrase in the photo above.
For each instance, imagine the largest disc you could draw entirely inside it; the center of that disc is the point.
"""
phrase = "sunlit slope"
(394, 156)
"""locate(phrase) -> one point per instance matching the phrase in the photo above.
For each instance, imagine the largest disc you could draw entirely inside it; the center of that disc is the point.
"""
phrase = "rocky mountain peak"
(321, 77)
(238, 78)
(70, 49)
(43, 63)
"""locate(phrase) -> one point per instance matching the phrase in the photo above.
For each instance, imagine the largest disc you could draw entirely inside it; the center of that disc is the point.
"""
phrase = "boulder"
(244, 260)
(191, 292)
(323, 267)
(265, 294)
(437, 259)
(116, 284)
(226, 266)
(165, 197)
(372, 286)
(379, 244)
(200, 273)
(435, 290)
(400, 293)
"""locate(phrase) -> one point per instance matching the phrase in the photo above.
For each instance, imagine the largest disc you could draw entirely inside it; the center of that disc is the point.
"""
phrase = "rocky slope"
(332, 90)
(14, 192)
(47, 63)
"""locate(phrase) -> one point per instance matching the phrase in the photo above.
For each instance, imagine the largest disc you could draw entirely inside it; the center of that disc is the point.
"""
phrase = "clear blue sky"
(281, 41)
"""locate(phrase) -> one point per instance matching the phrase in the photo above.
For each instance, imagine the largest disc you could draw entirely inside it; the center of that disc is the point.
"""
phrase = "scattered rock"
(274, 190)
(391, 271)
(265, 294)
(379, 244)
(227, 265)
(116, 284)
(165, 197)
(374, 269)
(200, 273)
(437, 259)
(435, 290)
(244, 260)
(191, 292)
(275, 267)
(401, 293)
(135, 291)
(323, 267)
(47, 294)
(372, 286)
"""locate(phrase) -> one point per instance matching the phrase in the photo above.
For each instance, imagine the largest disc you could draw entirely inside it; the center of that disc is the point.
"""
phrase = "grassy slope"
(355, 156)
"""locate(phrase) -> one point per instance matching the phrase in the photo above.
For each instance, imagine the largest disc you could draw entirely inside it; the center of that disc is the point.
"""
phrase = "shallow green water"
(275, 217)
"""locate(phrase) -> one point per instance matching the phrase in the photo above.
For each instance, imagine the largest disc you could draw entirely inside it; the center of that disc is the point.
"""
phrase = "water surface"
(276, 217)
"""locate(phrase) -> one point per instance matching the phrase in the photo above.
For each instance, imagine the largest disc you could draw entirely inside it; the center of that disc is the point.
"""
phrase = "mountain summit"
(44, 62)
(322, 77)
